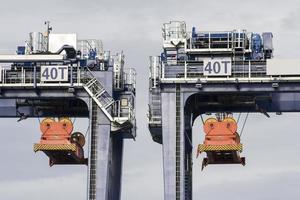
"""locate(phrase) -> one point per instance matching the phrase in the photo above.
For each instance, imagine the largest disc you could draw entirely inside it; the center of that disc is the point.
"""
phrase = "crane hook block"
(222, 142)
(59, 144)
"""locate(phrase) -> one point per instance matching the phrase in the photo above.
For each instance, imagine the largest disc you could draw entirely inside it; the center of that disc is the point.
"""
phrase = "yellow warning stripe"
(228, 147)
(54, 147)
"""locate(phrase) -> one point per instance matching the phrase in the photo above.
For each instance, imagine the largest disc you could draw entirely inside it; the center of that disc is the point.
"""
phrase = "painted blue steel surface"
(265, 98)
(169, 142)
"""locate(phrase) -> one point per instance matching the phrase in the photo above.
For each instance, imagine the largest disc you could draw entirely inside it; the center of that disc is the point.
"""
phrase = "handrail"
(121, 112)
(186, 70)
(32, 77)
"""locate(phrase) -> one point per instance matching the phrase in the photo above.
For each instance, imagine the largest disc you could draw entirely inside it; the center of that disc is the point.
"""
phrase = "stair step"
(91, 82)
(98, 93)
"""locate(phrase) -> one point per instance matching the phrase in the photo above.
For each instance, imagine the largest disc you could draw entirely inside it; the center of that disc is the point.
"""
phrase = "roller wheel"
(78, 138)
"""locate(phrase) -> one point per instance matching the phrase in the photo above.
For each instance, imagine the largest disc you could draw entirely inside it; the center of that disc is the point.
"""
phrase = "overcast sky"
(134, 26)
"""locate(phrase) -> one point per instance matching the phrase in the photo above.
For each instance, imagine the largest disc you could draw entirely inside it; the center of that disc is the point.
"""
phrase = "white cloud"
(269, 186)
(64, 187)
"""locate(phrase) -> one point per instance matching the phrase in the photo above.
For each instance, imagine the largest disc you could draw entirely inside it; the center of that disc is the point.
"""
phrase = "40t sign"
(54, 73)
(217, 67)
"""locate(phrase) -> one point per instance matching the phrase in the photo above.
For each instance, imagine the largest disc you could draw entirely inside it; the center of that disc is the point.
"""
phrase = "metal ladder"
(188, 182)
(178, 144)
(93, 154)
(98, 93)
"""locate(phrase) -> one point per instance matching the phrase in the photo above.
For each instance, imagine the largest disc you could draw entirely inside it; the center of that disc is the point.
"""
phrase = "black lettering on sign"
(46, 73)
(62, 72)
(226, 63)
(217, 67)
(53, 73)
(208, 68)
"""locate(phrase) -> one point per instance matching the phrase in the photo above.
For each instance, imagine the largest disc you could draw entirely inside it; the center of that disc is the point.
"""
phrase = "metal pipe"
(30, 58)
(71, 77)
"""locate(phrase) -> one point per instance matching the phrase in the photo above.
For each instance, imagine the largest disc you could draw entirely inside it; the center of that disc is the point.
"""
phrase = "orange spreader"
(222, 142)
(59, 144)
(56, 132)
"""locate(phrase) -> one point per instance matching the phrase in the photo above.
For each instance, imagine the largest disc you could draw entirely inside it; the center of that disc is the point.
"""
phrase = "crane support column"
(99, 155)
(173, 145)
(106, 155)
(116, 167)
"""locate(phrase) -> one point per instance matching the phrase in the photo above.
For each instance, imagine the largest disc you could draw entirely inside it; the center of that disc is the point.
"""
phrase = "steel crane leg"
(106, 152)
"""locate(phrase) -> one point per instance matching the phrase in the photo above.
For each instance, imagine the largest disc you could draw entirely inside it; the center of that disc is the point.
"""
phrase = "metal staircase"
(98, 93)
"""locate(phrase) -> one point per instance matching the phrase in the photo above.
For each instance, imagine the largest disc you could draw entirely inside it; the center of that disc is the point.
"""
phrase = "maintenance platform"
(220, 72)
(60, 76)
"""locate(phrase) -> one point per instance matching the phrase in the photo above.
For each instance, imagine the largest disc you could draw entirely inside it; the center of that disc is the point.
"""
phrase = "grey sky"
(134, 26)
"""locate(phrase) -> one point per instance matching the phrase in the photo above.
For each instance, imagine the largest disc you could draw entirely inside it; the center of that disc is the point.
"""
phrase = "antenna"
(48, 30)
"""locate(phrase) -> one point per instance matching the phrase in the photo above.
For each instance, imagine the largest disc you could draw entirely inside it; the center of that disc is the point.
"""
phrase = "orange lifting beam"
(222, 142)
(59, 144)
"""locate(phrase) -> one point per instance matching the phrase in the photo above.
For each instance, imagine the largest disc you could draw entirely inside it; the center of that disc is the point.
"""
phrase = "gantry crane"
(58, 77)
(201, 72)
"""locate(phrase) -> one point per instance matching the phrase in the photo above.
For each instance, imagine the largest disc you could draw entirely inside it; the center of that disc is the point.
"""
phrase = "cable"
(239, 117)
(244, 124)
(88, 129)
(189, 139)
(74, 120)
(35, 110)
(202, 119)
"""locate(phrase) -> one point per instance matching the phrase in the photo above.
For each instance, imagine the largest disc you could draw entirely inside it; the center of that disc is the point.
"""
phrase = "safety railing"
(218, 41)
(124, 79)
(174, 30)
(130, 77)
(23, 76)
(154, 117)
(118, 68)
(154, 112)
(155, 71)
(31, 76)
(123, 110)
(90, 48)
(194, 70)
